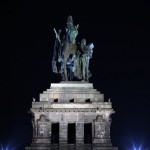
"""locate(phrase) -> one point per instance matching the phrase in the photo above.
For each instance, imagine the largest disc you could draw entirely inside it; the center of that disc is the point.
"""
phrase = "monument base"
(69, 147)
(71, 108)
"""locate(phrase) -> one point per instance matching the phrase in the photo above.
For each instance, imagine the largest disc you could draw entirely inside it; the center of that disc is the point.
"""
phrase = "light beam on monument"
(4, 148)
(137, 148)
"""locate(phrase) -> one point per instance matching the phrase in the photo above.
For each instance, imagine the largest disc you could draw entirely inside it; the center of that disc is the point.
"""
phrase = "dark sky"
(120, 65)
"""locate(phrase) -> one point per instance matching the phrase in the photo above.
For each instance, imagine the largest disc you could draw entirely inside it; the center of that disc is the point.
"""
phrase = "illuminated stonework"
(71, 115)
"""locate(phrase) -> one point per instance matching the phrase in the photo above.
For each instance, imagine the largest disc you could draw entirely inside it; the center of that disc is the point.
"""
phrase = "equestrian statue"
(70, 59)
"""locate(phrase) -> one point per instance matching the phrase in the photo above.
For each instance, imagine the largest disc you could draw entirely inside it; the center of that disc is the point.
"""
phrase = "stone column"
(93, 125)
(79, 133)
(63, 131)
(49, 131)
(34, 129)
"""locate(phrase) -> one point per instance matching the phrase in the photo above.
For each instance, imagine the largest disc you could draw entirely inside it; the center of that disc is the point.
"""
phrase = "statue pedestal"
(72, 108)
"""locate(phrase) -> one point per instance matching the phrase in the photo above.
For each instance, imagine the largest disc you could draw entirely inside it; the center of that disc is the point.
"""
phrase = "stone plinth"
(76, 104)
(66, 91)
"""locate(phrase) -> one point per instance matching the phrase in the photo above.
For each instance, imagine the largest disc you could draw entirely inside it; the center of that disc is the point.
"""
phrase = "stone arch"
(99, 118)
(43, 118)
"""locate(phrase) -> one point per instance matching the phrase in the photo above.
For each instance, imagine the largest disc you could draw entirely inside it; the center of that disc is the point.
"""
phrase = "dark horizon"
(120, 65)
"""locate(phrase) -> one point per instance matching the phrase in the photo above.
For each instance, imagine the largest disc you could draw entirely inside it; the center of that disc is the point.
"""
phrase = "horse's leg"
(70, 74)
(83, 68)
(87, 68)
(65, 69)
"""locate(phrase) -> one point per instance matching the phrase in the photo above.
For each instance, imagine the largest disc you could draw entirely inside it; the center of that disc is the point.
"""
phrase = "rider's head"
(69, 21)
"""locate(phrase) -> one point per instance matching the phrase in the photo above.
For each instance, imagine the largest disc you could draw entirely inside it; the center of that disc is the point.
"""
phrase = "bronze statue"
(69, 59)
(87, 51)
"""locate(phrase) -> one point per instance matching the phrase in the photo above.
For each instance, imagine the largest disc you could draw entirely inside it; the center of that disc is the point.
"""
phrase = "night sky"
(120, 65)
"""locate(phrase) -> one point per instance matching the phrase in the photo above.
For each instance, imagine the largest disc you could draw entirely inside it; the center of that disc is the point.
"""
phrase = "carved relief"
(63, 125)
(102, 128)
(43, 126)
(107, 130)
(80, 125)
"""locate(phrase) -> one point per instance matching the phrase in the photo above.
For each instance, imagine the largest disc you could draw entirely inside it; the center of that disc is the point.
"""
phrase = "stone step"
(70, 147)
(73, 90)
(71, 95)
(72, 84)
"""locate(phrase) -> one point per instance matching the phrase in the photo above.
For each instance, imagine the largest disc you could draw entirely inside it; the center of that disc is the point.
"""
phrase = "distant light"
(4, 148)
(7, 147)
(137, 147)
